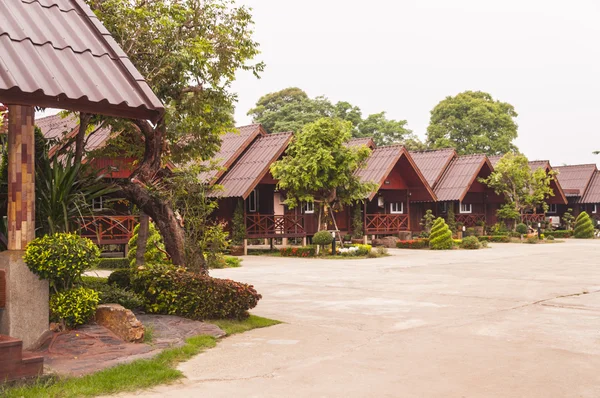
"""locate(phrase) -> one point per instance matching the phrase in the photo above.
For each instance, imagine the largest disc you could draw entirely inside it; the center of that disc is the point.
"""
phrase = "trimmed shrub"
(561, 234)
(174, 291)
(74, 307)
(441, 236)
(584, 228)
(322, 238)
(306, 251)
(470, 243)
(413, 244)
(155, 247)
(522, 229)
(550, 237)
(495, 239)
(363, 250)
(113, 263)
(233, 262)
(121, 278)
(61, 258)
(113, 294)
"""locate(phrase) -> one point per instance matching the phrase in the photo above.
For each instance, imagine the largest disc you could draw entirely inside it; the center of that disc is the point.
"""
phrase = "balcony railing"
(274, 226)
(470, 220)
(108, 230)
(533, 218)
(386, 223)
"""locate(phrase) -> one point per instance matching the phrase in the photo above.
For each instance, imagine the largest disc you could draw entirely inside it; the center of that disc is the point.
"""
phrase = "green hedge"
(307, 251)
(170, 291)
(113, 263)
(413, 244)
(495, 239)
(560, 234)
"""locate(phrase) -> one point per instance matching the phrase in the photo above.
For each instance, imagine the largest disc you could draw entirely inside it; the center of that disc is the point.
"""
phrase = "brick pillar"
(21, 177)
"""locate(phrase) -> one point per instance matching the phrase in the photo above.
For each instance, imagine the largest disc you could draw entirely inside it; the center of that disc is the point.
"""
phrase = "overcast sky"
(403, 57)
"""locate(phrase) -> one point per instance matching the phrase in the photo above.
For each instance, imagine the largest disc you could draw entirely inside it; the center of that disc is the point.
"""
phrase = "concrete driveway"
(515, 320)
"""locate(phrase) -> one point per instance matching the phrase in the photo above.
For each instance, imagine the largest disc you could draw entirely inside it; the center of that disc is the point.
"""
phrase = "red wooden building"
(580, 184)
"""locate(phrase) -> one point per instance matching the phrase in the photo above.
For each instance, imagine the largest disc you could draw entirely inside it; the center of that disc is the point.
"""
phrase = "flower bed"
(413, 244)
(307, 251)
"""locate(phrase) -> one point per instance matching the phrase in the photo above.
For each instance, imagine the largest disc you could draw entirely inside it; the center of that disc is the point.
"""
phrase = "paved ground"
(511, 321)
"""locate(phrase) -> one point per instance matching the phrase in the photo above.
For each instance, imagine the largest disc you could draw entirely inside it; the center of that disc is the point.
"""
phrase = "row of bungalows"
(409, 183)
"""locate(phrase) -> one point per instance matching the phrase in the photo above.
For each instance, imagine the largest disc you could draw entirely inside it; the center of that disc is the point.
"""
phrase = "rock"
(388, 241)
(405, 235)
(121, 322)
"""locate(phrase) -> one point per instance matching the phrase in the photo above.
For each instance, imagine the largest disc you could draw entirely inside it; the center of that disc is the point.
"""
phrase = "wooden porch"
(470, 220)
(533, 218)
(260, 226)
(108, 230)
(386, 224)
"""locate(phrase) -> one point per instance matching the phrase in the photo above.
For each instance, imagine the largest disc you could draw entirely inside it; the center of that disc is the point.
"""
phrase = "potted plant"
(479, 228)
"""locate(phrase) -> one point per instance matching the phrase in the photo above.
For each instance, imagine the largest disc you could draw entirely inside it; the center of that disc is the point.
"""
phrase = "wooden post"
(21, 176)
(245, 247)
(408, 208)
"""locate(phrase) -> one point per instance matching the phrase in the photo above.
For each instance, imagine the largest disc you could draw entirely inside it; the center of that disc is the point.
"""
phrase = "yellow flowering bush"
(74, 307)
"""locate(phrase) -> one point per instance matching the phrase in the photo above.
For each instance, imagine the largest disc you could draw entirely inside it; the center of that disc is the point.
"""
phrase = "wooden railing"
(108, 230)
(533, 218)
(386, 223)
(272, 226)
(470, 220)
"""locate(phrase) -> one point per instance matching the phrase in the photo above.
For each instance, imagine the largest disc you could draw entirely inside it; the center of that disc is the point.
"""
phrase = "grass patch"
(140, 374)
(148, 334)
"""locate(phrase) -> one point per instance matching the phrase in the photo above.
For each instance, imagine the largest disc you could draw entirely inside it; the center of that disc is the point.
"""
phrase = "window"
(552, 209)
(466, 208)
(308, 207)
(397, 208)
(253, 201)
(444, 207)
(98, 203)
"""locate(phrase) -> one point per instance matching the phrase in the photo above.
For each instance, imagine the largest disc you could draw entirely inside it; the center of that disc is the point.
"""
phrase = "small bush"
(233, 262)
(113, 263)
(413, 244)
(74, 307)
(322, 238)
(113, 294)
(550, 237)
(170, 291)
(306, 251)
(61, 258)
(441, 236)
(381, 251)
(363, 250)
(584, 228)
(121, 278)
(495, 239)
(470, 243)
(522, 229)
(532, 239)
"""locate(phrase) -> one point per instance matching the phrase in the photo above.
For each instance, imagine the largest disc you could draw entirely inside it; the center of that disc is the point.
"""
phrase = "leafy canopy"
(473, 122)
(189, 52)
(524, 189)
(318, 167)
(291, 109)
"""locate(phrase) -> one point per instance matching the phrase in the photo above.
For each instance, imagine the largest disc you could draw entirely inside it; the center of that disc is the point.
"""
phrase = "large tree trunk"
(157, 208)
(84, 121)
(142, 241)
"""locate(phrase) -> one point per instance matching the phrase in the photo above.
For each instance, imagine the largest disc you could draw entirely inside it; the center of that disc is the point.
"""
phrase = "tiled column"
(21, 177)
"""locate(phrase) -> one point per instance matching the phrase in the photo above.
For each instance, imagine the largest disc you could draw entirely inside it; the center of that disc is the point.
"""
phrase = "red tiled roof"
(232, 146)
(248, 170)
(459, 176)
(494, 159)
(380, 164)
(574, 179)
(56, 53)
(433, 163)
(592, 193)
(366, 141)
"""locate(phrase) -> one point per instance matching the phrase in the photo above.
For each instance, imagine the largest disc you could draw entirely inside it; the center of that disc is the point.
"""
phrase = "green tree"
(473, 122)
(427, 221)
(523, 188)
(568, 219)
(155, 248)
(189, 53)
(584, 227)
(441, 236)
(319, 168)
(386, 132)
